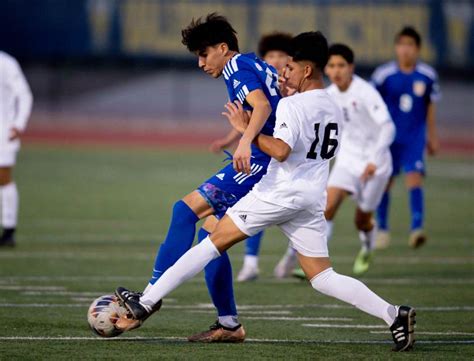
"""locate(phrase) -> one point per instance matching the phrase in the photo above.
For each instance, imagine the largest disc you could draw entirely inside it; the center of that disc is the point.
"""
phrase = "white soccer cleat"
(417, 238)
(286, 265)
(382, 240)
(248, 273)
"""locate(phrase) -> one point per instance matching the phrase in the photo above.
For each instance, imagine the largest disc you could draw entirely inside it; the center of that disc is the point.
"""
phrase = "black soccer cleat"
(403, 329)
(7, 239)
(131, 301)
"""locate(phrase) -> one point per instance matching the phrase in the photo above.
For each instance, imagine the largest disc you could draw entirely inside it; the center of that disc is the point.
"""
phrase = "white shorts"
(7, 158)
(305, 231)
(367, 195)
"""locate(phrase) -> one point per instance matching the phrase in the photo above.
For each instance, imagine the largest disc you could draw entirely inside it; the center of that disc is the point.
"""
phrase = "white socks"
(329, 227)
(189, 265)
(250, 261)
(354, 292)
(367, 239)
(9, 205)
(229, 321)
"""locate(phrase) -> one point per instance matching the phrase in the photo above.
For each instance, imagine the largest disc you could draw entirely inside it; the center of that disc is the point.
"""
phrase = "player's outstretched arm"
(225, 142)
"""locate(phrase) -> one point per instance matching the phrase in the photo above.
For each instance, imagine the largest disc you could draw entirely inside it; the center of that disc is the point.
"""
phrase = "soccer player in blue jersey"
(273, 48)
(253, 83)
(410, 89)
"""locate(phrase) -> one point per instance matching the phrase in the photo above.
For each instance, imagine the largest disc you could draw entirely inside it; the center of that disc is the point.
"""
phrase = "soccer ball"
(103, 314)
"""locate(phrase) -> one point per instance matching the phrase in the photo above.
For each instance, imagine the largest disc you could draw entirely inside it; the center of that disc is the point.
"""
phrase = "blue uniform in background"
(243, 74)
(407, 96)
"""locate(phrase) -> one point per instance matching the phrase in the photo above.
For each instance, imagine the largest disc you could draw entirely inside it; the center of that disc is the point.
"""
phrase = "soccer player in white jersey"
(15, 107)
(364, 164)
(292, 195)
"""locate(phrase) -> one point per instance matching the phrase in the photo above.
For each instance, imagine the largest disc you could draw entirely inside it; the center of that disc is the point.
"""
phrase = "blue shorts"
(410, 157)
(226, 187)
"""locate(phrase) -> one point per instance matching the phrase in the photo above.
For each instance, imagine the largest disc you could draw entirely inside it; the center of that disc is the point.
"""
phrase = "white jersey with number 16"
(310, 123)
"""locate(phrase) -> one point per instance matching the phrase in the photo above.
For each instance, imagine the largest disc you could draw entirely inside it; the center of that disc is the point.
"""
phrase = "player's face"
(276, 58)
(406, 50)
(294, 73)
(339, 71)
(213, 59)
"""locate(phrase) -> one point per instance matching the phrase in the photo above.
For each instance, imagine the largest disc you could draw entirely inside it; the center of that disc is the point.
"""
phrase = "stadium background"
(121, 62)
(119, 131)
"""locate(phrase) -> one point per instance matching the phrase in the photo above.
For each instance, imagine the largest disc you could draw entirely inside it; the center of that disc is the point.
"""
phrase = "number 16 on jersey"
(329, 145)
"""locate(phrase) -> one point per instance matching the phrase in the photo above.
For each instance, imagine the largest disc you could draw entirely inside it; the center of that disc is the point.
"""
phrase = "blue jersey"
(407, 96)
(245, 73)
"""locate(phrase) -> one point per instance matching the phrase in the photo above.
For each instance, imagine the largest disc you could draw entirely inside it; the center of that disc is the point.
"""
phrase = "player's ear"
(308, 71)
(224, 48)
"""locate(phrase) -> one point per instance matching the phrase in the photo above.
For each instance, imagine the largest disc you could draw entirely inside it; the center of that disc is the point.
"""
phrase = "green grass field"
(92, 219)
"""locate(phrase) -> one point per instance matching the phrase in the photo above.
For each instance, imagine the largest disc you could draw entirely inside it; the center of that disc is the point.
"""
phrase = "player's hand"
(369, 172)
(218, 146)
(14, 134)
(237, 116)
(242, 156)
(432, 145)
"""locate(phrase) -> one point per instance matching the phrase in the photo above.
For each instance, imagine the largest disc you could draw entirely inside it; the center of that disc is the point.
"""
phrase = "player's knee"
(5, 176)
(414, 180)
(182, 213)
(330, 212)
(363, 221)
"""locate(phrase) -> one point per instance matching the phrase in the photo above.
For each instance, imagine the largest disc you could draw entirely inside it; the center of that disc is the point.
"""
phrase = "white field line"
(64, 293)
(328, 325)
(447, 333)
(249, 340)
(49, 289)
(315, 305)
(263, 318)
(245, 312)
(242, 308)
(381, 281)
(443, 261)
(43, 305)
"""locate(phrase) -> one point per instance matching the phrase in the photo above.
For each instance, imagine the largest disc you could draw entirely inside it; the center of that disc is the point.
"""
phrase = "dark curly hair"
(274, 41)
(215, 29)
(311, 46)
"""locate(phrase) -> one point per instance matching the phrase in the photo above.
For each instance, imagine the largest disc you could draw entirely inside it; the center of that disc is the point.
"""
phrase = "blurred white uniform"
(292, 194)
(15, 107)
(368, 131)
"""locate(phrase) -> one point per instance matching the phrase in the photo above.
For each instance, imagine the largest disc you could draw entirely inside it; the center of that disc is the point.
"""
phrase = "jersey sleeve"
(376, 107)
(19, 86)
(435, 91)
(286, 124)
(244, 79)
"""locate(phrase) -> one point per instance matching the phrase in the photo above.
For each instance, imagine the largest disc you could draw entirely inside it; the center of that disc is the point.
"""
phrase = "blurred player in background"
(291, 195)
(364, 164)
(15, 107)
(253, 83)
(410, 89)
(273, 49)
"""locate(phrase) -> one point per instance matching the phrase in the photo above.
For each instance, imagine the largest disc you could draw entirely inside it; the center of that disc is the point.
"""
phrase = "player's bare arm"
(15, 133)
(261, 111)
(225, 142)
(432, 141)
(239, 119)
